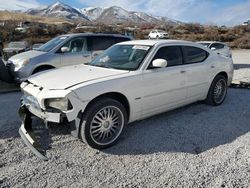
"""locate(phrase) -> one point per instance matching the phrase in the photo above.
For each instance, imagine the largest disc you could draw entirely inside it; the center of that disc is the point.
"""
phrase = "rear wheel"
(103, 123)
(217, 92)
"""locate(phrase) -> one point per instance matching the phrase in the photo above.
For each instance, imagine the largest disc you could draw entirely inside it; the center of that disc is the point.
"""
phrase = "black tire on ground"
(96, 125)
(217, 91)
(4, 74)
(41, 69)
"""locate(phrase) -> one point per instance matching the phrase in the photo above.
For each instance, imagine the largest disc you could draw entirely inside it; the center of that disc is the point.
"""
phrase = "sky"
(220, 12)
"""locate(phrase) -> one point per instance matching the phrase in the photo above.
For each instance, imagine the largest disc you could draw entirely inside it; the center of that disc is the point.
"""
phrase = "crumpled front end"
(27, 134)
(33, 105)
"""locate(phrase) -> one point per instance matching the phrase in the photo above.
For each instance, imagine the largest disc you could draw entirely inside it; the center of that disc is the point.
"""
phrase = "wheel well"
(223, 74)
(42, 67)
(113, 95)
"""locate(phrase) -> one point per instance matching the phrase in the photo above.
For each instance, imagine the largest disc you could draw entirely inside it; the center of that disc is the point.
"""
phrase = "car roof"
(94, 34)
(151, 42)
(210, 42)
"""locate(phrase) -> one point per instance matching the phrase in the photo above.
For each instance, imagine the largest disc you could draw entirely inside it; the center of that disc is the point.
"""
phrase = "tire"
(100, 130)
(217, 91)
(157, 37)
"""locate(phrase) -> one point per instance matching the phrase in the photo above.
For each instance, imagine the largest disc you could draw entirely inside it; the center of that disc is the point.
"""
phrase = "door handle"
(183, 71)
(212, 66)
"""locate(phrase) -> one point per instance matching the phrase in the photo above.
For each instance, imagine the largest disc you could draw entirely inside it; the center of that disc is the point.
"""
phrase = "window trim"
(179, 46)
(84, 49)
(185, 55)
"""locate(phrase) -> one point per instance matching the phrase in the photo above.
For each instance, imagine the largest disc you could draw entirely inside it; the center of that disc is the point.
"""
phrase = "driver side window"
(172, 54)
(76, 45)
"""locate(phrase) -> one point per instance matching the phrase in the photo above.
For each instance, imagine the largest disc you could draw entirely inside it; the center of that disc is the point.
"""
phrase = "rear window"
(96, 43)
(217, 46)
(194, 54)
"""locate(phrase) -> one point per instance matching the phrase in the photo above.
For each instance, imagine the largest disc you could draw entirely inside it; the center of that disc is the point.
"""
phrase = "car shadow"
(192, 129)
(241, 66)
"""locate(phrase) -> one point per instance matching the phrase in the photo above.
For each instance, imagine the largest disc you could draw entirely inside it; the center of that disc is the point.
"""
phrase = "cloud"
(18, 4)
(234, 15)
(203, 11)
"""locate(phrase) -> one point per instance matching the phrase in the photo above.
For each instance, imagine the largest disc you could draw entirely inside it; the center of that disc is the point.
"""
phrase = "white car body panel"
(148, 91)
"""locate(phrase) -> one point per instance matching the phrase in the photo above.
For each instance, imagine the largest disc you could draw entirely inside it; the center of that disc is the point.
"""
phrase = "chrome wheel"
(106, 125)
(220, 91)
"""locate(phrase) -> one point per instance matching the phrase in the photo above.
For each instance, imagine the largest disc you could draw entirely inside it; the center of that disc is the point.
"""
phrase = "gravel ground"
(195, 146)
(242, 65)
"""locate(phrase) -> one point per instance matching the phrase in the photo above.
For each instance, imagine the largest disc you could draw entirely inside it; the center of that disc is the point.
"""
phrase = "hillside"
(16, 16)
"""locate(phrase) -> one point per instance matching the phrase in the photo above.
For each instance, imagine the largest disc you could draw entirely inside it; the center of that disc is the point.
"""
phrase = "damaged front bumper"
(26, 112)
(27, 134)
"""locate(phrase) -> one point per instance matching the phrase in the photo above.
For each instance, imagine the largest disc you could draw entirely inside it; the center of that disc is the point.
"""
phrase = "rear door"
(198, 70)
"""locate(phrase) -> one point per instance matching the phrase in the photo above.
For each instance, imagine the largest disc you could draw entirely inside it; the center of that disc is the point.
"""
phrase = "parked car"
(65, 50)
(128, 82)
(36, 46)
(218, 47)
(15, 48)
(158, 34)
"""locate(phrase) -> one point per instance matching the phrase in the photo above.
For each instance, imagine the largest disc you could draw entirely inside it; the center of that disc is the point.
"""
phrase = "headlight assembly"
(20, 64)
(62, 104)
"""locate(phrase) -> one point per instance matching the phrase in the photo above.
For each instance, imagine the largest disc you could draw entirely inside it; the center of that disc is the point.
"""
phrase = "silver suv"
(61, 51)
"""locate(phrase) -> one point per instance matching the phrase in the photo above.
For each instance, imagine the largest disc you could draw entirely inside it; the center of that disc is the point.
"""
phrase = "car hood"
(26, 55)
(66, 77)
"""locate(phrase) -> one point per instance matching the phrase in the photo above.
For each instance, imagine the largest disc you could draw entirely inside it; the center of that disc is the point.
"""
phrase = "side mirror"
(160, 63)
(64, 49)
(213, 48)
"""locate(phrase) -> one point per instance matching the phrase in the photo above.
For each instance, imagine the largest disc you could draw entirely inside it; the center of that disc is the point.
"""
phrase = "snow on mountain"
(58, 9)
(92, 12)
(106, 15)
(117, 14)
(146, 17)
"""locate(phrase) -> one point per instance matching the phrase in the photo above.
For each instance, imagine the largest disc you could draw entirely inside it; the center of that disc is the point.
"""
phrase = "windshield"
(17, 45)
(52, 43)
(123, 57)
(206, 44)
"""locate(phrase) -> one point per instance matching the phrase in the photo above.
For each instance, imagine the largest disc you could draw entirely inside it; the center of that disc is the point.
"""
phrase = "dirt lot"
(195, 146)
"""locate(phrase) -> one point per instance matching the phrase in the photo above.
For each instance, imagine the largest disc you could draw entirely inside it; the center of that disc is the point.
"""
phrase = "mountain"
(106, 15)
(117, 14)
(92, 13)
(146, 17)
(59, 10)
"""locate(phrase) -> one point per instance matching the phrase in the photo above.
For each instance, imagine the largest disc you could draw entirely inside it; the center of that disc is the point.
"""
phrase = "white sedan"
(128, 82)
(218, 47)
(158, 34)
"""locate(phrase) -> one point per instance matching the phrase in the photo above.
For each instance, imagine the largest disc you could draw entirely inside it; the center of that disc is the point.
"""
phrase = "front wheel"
(103, 123)
(217, 92)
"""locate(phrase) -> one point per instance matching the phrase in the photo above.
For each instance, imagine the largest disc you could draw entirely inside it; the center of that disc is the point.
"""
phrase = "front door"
(77, 52)
(164, 88)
